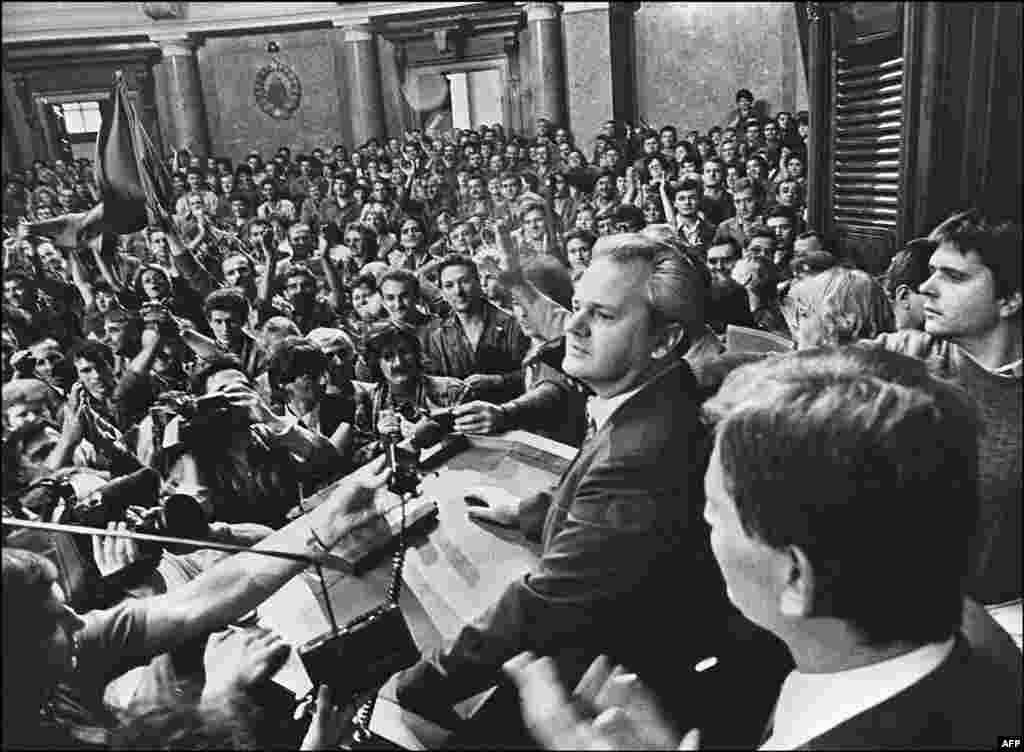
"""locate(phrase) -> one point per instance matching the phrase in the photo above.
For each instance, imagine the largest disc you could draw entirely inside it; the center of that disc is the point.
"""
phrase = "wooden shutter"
(868, 133)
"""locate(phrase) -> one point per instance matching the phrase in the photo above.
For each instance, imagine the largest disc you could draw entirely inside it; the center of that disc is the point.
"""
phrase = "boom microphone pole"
(166, 539)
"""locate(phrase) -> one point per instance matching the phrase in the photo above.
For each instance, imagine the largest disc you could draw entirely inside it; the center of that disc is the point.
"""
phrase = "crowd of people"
(286, 318)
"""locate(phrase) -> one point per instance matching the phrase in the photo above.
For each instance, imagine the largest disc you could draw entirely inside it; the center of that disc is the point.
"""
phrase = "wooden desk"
(453, 573)
(460, 568)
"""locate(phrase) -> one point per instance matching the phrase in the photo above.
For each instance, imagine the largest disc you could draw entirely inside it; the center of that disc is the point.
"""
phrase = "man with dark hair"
(478, 342)
(887, 653)
(744, 109)
(782, 221)
(716, 203)
(628, 218)
(400, 293)
(972, 335)
(747, 198)
(227, 313)
(695, 232)
(121, 333)
(907, 271)
(300, 291)
(727, 300)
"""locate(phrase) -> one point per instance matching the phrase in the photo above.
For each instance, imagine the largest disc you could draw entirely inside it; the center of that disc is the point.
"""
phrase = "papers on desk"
(295, 614)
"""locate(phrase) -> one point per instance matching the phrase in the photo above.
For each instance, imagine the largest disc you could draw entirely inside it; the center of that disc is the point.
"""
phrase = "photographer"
(60, 661)
(240, 460)
(157, 368)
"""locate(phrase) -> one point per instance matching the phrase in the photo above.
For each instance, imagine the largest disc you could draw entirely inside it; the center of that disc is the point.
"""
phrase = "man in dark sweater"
(972, 335)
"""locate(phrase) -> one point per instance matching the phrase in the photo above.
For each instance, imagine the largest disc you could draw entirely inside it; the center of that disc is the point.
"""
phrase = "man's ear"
(668, 339)
(902, 296)
(796, 600)
(1010, 305)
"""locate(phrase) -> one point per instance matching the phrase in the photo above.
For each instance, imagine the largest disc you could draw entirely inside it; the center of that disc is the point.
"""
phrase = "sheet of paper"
(295, 614)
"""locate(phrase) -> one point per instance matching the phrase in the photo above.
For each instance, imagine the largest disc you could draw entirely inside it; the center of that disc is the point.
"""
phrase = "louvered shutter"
(868, 131)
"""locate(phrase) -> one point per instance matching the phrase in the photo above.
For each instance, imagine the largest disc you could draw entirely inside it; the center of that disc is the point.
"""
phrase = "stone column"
(546, 39)
(147, 106)
(48, 126)
(362, 72)
(178, 85)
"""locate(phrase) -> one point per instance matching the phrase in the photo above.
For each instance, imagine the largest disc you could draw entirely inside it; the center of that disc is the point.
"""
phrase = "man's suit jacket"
(965, 703)
(626, 569)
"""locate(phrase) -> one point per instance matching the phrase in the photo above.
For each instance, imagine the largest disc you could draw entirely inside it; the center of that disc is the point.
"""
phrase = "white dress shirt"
(811, 704)
(600, 409)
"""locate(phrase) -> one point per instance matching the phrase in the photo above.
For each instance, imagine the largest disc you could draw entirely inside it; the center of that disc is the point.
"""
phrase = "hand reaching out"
(328, 723)
(236, 659)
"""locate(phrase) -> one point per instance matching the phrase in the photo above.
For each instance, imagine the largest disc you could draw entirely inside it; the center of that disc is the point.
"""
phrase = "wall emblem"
(278, 90)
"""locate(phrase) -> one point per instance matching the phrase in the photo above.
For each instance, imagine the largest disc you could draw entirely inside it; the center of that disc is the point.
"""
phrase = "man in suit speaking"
(624, 548)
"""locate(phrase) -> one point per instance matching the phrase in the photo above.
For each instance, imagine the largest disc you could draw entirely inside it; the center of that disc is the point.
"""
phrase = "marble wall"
(228, 68)
(693, 57)
(588, 68)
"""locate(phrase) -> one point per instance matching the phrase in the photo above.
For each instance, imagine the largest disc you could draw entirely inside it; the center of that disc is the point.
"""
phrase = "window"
(81, 117)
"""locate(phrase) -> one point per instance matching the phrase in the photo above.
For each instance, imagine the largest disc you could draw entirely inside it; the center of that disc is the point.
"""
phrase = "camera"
(132, 498)
(203, 418)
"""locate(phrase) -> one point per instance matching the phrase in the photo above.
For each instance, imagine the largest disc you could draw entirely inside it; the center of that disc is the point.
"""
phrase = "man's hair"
(391, 335)
(809, 234)
(691, 184)
(364, 280)
(294, 357)
(785, 212)
(629, 214)
(910, 266)
(230, 300)
(27, 580)
(580, 234)
(457, 259)
(675, 289)
(714, 160)
(744, 94)
(403, 276)
(552, 278)
(998, 245)
(212, 366)
(823, 450)
(746, 184)
(759, 232)
(92, 351)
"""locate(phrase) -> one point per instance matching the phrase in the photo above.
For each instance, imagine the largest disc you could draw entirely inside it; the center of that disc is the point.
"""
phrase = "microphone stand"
(216, 545)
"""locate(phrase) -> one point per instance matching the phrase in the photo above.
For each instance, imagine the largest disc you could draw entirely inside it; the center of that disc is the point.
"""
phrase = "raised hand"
(114, 554)
(610, 708)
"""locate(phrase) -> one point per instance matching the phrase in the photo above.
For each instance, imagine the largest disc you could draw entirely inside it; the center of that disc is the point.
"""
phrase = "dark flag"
(133, 182)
